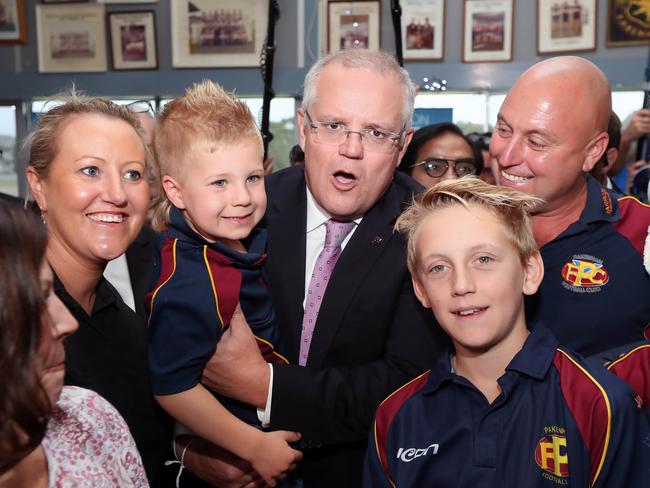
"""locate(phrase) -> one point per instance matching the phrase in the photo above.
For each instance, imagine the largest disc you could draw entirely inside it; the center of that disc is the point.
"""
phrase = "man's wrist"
(261, 390)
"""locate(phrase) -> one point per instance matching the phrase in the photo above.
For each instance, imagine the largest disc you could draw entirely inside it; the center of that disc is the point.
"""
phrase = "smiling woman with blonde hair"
(86, 171)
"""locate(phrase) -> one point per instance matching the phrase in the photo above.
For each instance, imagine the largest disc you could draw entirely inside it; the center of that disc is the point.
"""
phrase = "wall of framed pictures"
(138, 46)
(136, 52)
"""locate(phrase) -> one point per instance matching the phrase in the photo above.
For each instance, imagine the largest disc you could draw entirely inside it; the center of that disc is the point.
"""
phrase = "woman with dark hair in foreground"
(50, 435)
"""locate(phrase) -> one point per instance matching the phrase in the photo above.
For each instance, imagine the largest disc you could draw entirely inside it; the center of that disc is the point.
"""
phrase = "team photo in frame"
(423, 30)
(353, 25)
(564, 26)
(217, 33)
(487, 30)
(71, 38)
(133, 40)
(13, 27)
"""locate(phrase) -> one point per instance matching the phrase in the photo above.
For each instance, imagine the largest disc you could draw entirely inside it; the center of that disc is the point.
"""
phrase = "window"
(8, 146)
(282, 123)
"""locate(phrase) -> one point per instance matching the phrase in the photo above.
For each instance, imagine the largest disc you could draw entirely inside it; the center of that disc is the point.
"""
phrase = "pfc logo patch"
(551, 455)
(584, 274)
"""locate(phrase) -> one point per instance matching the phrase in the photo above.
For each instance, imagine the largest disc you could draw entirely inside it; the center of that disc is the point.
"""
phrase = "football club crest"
(584, 274)
(551, 455)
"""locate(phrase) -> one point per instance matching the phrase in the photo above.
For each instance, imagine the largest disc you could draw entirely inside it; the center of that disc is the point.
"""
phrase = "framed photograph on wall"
(628, 23)
(13, 28)
(133, 40)
(217, 33)
(487, 30)
(423, 30)
(71, 38)
(353, 25)
(564, 26)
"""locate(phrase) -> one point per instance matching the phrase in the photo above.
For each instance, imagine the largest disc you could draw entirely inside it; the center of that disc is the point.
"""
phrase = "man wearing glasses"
(353, 333)
(440, 152)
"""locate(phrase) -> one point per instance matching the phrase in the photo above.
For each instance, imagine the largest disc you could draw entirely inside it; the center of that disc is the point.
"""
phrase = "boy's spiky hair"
(206, 114)
(510, 206)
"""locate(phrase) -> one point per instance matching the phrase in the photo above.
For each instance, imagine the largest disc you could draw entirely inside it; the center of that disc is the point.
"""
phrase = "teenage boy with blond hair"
(209, 153)
(506, 407)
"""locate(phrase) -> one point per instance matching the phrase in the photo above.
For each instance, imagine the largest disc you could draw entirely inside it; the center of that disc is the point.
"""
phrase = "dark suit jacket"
(139, 259)
(372, 335)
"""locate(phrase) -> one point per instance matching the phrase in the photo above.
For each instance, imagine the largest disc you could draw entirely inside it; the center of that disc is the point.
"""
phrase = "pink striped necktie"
(336, 232)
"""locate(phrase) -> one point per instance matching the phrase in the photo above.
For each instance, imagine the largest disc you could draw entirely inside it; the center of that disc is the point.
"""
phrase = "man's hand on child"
(274, 457)
(237, 368)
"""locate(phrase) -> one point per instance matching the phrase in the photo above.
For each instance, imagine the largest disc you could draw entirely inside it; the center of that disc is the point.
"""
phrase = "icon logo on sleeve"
(584, 274)
(551, 455)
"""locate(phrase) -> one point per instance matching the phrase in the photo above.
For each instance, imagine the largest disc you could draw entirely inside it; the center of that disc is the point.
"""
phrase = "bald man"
(550, 132)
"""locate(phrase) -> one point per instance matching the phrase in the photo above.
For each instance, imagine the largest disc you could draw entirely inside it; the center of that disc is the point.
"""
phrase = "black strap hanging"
(266, 66)
(396, 12)
(643, 145)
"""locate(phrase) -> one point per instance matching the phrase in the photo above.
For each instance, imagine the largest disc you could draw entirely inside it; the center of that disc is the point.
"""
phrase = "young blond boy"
(209, 153)
(506, 407)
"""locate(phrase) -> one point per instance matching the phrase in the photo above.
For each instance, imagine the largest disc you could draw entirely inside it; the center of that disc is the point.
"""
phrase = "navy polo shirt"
(556, 423)
(198, 286)
(596, 292)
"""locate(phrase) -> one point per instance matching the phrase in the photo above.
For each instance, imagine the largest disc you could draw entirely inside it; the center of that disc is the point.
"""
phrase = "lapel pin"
(376, 240)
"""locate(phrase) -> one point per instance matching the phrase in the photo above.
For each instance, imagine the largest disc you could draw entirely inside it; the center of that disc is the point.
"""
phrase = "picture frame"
(217, 33)
(353, 25)
(133, 40)
(64, 1)
(564, 26)
(625, 26)
(127, 2)
(71, 38)
(423, 30)
(13, 26)
(487, 30)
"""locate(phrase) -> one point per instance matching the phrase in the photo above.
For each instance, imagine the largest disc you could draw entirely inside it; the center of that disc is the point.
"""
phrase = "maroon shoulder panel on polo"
(589, 406)
(634, 222)
(387, 411)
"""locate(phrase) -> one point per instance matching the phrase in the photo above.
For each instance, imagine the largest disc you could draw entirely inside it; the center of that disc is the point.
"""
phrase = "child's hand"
(273, 457)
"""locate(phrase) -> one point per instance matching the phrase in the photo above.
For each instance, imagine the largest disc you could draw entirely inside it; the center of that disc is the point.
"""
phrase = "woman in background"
(50, 435)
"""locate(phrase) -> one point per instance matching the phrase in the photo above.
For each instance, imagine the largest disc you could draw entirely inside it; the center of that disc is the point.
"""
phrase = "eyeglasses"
(372, 139)
(436, 167)
(141, 107)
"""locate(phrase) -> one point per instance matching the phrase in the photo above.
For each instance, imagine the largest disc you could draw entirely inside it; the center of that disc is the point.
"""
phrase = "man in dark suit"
(370, 335)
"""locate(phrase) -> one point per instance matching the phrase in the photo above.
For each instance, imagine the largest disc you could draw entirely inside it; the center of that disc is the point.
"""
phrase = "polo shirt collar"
(601, 204)
(534, 359)
(255, 242)
(536, 356)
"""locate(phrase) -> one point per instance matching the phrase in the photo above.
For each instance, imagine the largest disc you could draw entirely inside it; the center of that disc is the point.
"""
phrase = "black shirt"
(108, 354)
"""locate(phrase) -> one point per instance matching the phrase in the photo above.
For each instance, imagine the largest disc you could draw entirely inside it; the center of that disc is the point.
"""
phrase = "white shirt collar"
(316, 215)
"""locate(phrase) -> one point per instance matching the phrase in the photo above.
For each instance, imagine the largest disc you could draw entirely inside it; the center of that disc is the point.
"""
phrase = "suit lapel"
(286, 222)
(358, 257)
